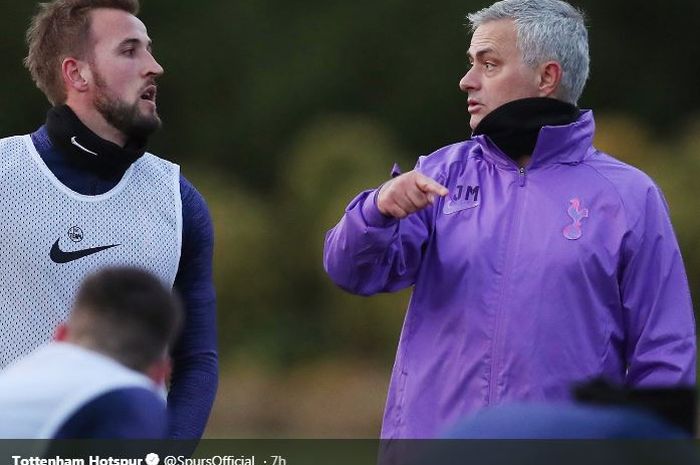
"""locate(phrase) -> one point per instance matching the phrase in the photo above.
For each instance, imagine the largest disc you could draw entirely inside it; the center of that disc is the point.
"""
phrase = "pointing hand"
(408, 193)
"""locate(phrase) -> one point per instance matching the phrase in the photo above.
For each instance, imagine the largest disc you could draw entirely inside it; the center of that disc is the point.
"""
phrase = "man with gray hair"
(537, 262)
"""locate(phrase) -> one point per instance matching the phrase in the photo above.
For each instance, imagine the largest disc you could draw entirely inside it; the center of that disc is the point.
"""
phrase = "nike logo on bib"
(59, 256)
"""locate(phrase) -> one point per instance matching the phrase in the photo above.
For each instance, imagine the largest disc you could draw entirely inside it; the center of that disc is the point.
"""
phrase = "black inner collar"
(87, 150)
(514, 126)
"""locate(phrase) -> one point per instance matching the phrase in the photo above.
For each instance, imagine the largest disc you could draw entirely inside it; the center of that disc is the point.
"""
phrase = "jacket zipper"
(510, 252)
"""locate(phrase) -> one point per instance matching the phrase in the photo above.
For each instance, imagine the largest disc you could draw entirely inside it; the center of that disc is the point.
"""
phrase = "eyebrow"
(135, 41)
(480, 53)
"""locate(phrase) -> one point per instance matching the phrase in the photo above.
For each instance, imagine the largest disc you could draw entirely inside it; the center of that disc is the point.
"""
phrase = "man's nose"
(154, 67)
(468, 81)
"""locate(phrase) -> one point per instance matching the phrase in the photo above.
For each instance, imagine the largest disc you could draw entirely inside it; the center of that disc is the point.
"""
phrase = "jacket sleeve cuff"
(371, 214)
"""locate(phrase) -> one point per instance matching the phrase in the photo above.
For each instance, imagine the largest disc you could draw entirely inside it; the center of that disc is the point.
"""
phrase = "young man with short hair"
(82, 193)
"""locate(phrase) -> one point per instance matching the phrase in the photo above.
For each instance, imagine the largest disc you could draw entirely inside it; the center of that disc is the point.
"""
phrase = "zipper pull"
(522, 173)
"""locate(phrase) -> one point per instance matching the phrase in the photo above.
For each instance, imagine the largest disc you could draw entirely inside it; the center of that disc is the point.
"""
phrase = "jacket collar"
(563, 143)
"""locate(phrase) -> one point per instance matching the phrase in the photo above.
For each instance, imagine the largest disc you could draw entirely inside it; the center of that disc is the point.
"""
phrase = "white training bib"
(52, 237)
(41, 392)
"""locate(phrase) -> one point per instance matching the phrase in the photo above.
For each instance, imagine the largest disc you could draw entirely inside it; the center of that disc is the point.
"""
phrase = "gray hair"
(546, 30)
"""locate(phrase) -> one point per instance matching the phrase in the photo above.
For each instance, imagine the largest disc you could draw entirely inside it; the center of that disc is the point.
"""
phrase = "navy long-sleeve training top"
(195, 358)
(128, 413)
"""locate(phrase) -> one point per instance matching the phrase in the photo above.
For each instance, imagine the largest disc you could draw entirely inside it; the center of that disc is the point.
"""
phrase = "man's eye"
(129, 52)
(489, 66)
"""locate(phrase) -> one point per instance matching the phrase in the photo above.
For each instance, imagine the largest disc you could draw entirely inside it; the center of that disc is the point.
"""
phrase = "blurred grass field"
(338, 399)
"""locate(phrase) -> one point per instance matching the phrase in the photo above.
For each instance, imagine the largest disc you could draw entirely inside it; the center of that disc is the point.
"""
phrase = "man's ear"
(61, 333)
(160, 370)
(549, 78)
(76, 74)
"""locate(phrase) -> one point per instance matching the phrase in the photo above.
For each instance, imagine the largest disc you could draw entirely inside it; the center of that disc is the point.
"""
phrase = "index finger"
(429, 185)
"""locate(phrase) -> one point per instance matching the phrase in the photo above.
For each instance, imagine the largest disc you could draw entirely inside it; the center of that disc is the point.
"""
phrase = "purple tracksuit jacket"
(526, 281)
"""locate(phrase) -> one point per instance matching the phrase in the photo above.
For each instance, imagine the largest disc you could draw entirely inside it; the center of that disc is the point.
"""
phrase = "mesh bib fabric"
(52, 237)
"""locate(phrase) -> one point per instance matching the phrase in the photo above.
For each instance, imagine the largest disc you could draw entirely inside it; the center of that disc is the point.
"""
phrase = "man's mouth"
(473, 105)
(149, 94)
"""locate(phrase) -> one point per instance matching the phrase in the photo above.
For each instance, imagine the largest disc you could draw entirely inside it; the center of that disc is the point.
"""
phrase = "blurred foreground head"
(126, 314)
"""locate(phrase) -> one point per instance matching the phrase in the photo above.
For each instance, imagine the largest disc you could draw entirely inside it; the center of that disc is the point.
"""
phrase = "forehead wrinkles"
(112, 27)
(498, 36)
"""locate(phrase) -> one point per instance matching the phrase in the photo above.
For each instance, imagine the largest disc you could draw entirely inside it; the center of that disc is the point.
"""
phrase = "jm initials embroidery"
(461, 198)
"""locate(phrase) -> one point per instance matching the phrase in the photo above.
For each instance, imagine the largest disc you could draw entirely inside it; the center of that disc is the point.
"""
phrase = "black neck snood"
(87, 150)
(514, 126)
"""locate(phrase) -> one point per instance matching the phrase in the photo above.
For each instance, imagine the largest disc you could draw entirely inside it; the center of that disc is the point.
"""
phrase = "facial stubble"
(124, 116)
